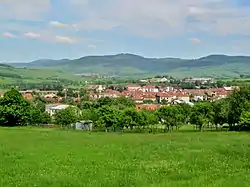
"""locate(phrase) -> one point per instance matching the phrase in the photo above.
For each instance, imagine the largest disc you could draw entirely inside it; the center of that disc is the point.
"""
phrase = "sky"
(56, 29)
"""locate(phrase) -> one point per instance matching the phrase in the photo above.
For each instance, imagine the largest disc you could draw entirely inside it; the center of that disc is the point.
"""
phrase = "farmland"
(51, 157)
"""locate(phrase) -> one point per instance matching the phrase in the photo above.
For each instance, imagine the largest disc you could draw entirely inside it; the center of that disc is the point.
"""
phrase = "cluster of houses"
(146, 97)
(151, 97)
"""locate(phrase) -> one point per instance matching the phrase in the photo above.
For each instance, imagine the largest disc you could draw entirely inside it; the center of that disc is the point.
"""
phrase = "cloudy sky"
(33, 29)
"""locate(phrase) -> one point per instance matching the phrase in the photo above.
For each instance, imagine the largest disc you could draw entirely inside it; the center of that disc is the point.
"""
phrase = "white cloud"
(31, 35)
(58, 24)
(9, 35)
(147, 18)
(65, 39)
(195, 40)
(161, 18)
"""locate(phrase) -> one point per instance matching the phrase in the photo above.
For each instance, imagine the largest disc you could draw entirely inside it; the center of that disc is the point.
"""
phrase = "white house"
(52, 109)
(150, 88)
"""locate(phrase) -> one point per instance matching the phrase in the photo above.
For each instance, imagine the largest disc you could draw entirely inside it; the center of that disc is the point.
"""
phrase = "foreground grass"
(47, 157)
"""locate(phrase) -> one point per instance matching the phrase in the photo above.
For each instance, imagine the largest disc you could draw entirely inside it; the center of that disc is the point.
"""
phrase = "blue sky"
(34, 29)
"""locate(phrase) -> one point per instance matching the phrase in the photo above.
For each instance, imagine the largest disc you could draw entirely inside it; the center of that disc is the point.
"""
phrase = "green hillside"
(10, 75)
(134, 65)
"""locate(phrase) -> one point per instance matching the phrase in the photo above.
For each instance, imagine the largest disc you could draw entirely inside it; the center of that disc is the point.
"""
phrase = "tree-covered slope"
(129, 64)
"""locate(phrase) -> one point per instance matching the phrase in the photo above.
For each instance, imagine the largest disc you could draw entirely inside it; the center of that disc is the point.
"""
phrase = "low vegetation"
(196, 152)
(55, 158)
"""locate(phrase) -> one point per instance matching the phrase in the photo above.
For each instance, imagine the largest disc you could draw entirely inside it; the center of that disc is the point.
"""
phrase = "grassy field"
(12, 75)
(55, 158)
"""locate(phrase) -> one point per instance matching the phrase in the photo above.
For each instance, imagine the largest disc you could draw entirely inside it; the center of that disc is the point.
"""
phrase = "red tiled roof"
(163, 94)
(149, 86)
(147, 106)
(138, 98)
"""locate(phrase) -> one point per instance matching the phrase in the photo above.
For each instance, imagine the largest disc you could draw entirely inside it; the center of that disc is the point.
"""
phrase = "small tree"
(38, 117)
(15, 110)
(170, 116)
(220, 108)
(111, 117)
(202, 113)
(237, 104)
(245, 119)
(131, 117)
(66, 117)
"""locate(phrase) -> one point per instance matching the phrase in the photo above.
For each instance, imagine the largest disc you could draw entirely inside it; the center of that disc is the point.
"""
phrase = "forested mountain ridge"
(130, 64)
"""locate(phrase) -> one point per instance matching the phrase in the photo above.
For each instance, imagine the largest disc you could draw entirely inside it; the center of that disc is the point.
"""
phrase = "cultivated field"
(55, 158)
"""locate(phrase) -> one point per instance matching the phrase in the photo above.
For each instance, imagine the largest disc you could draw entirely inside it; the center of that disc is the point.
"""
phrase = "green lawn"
(47, 157)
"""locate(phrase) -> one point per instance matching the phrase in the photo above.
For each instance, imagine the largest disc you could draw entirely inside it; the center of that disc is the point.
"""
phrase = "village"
(148, 97)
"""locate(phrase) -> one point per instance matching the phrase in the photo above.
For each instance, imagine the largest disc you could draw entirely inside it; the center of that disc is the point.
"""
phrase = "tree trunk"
(201, 129)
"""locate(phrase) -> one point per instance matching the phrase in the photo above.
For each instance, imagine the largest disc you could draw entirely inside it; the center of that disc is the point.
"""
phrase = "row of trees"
(120, 113)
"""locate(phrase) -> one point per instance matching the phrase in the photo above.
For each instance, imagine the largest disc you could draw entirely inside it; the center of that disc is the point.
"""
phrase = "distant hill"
(11, 75)
(134, 65)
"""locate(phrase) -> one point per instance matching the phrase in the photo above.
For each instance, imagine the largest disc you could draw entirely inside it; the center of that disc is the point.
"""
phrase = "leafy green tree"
(15, 110)
(60, 93)
(143, 120)
(123, 102)
(237, 104)
(131, 117)
(90, 114)
(153, 120)
(38, 117)
(148, 101)
(245, 119)
(171, 116)
(202, 113)
(83, 92)
(105, 101)
(67, 116)
(221, 109)
(185, 112)
(110, 117)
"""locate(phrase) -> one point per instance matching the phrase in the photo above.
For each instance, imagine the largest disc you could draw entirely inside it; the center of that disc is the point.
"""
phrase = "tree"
(123, 102)
(148, 101)
(67, 116)
(185, 112)
(220, 108)
(202, 113)
(237, 104)
(131, 117)
(90, 114)
(171, 116)
(38, 117)
(245, 119)
(104, 101)
(82, 93)
(15, 110)
(110, 117)
(60, 93)
(143, 119)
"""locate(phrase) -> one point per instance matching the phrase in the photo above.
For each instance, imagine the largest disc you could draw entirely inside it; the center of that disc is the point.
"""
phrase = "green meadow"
(56, 158)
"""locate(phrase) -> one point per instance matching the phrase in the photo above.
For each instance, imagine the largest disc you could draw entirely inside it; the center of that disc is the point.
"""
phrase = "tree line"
(120, 113)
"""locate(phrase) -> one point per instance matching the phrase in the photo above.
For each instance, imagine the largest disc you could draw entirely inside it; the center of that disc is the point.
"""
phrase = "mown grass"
(48, 157)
